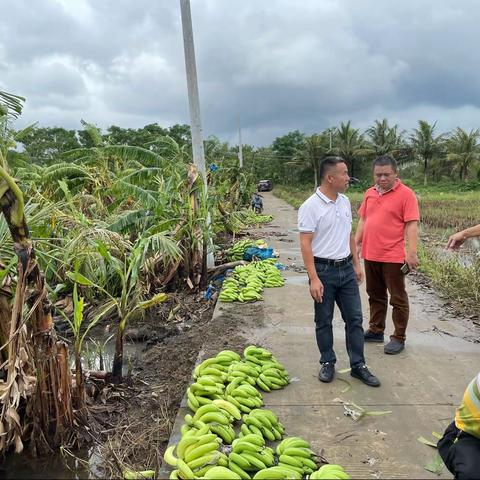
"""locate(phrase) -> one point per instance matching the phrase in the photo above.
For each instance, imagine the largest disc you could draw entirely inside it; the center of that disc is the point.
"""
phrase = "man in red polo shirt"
(389, 215)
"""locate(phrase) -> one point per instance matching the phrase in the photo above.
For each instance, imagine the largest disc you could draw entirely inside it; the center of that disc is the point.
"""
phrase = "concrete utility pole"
(194, 103)
(240, 150)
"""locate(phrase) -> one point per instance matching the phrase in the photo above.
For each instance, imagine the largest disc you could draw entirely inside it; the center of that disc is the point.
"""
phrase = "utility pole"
(240, 151)
(194, 104)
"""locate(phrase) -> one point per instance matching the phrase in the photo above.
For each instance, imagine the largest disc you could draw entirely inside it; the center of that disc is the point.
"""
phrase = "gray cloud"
(276, 65)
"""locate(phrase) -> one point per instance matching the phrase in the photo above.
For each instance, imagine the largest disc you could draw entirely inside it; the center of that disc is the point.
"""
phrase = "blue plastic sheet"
(258, 253)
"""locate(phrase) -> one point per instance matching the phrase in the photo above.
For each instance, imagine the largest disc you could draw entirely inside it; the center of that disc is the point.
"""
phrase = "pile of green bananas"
(330, 472)
(224, 392)
(249, 454)
(252, 218)
(296, 454)
(196, 452)
(236, 251)
(248, 281)
(230, 290)
(262, 422)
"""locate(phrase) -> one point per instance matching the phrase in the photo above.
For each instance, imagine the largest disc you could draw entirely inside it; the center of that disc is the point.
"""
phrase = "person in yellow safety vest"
(460, 445)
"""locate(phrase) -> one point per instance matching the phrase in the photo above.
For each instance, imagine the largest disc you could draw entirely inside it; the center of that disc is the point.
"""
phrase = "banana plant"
(76, 324)
(129, 302)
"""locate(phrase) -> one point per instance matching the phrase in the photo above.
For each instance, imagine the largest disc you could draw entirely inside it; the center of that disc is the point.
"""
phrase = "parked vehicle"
(264, 185)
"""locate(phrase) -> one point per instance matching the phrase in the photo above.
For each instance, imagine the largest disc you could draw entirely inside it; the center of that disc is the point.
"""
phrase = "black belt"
(330, 261)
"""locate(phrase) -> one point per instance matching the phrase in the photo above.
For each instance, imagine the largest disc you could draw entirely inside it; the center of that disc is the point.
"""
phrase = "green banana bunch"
(238, 249)
(249, 294)
(272, 374)
(330, 472)
(221, 472)
(220, 362)
(249, 217)
(210, 377)
(228, 295)
(203, 392)
(296, 454)
(219, 416)
(243, 395)
(249, 454)
(242, 369)
(273, 277)
(272, 377)
(248, 281)
(262, 422)
(196, 453)
(279, 472)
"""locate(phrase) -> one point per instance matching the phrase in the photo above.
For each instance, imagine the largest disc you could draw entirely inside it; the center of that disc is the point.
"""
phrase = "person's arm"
(457, 239)
(359, 237)
(356, 260)
(316, 286)
(411, 235)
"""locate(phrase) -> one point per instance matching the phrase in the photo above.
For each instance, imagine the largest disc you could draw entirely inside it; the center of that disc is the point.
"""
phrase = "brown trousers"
(380, 277)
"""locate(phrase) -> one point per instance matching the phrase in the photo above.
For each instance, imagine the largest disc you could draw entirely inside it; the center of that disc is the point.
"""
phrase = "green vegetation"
(134, 221)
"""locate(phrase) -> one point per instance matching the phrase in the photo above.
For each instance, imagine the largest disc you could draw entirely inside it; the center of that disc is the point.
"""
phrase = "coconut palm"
(350, 145)
(463, 150)
(426, 145)
(314, 149)
(385, 140)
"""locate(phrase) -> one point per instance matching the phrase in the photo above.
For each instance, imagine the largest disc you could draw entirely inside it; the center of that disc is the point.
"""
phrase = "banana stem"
(19, 207)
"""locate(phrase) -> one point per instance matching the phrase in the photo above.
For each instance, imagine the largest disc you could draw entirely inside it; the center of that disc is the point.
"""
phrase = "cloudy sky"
(277, 65)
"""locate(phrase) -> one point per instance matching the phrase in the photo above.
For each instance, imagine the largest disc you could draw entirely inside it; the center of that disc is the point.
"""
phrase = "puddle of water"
(55, 466)
(98, 354)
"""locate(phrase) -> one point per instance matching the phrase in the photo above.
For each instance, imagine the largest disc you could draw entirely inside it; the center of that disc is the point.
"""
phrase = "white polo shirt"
(330, 221)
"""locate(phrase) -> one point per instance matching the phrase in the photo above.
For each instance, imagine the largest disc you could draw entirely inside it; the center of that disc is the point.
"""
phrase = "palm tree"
(463, 150)
(425, 144)
(385, 140)
(349, 144)
(315, 148)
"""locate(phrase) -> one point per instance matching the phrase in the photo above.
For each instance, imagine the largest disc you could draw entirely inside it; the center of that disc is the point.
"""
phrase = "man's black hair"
(328, 163)
(385, 161)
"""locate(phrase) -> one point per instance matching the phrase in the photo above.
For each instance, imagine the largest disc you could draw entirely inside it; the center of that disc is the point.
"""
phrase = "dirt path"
(421, 386)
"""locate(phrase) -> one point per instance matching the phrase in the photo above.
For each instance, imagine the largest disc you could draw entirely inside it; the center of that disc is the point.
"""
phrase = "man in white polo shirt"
(334, 270)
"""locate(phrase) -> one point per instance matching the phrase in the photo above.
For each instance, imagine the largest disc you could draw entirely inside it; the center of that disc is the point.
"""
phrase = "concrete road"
(421, 386)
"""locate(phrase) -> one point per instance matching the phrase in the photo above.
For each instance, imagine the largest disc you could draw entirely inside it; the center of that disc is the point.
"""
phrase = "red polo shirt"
(384, 217)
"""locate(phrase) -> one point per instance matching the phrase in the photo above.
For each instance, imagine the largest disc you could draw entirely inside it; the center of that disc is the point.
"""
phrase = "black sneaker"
(363, 374)
(369, 336)
(393, 347)
(327, 372)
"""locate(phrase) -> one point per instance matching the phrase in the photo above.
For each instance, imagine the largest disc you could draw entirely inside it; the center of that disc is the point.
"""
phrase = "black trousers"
(462, 457)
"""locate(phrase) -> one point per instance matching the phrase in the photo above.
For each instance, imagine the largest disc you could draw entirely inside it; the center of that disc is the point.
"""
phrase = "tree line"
(423, 154)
